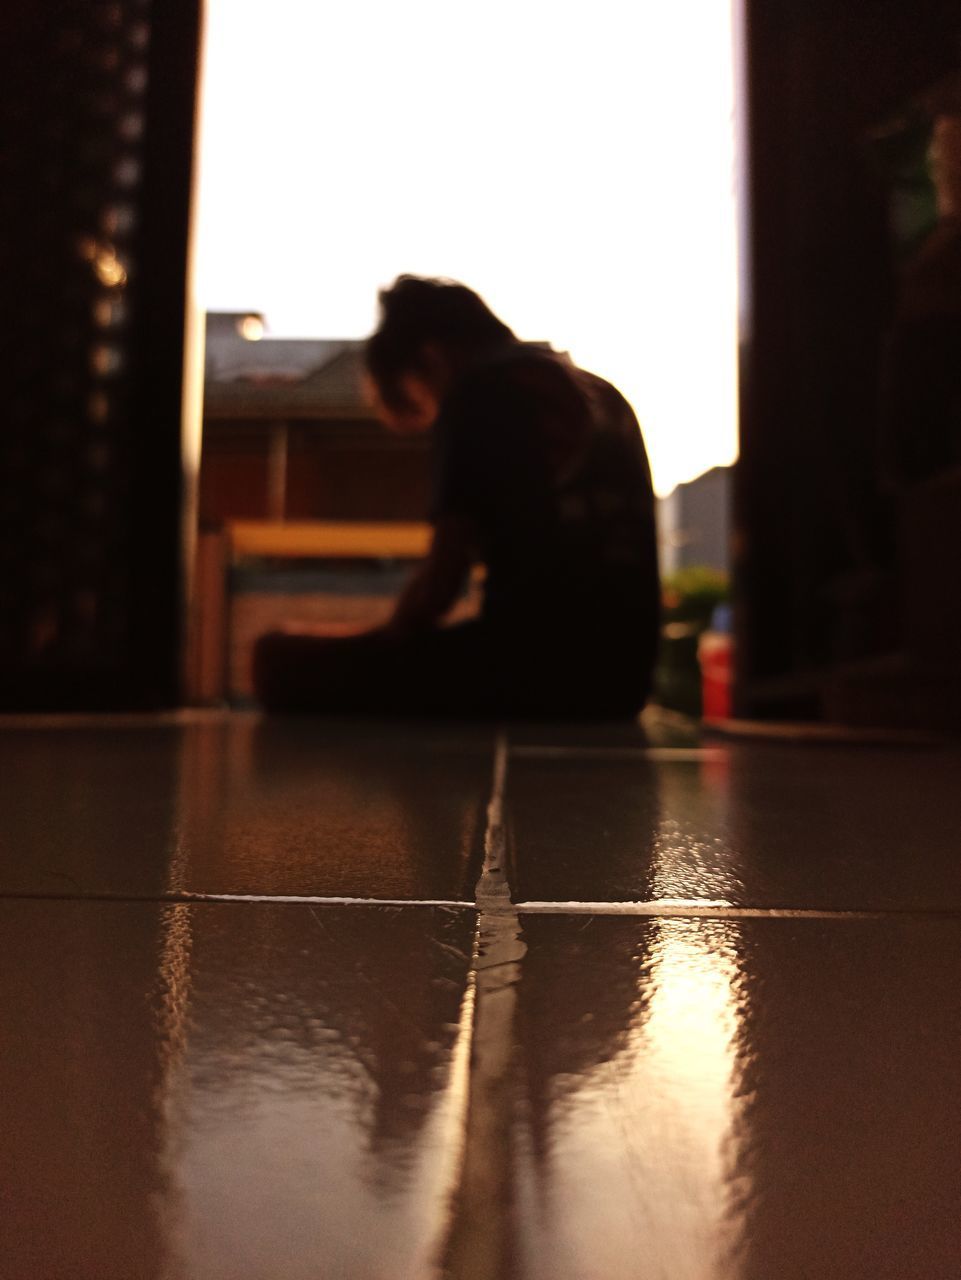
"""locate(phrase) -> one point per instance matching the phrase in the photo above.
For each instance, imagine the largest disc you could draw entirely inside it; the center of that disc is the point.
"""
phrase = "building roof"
(279, 377)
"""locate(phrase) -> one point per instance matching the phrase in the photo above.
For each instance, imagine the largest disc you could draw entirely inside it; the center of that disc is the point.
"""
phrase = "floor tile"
(739, 1100)
(654, 728)
(215, 1091)
(808, 828)
(244, 807)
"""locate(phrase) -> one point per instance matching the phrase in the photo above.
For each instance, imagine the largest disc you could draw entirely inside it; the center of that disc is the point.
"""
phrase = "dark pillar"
(822, 77)
(97, 103)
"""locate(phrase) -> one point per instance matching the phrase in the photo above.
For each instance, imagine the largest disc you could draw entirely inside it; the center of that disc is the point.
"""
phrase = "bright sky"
(573, 163)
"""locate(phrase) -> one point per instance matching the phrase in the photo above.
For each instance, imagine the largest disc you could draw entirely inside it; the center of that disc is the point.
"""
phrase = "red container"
(715, 655)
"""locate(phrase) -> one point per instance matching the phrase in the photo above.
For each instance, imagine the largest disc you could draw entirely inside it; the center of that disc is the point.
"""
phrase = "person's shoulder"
(508, 368)
(604, 393)
(499, 385)
(614, 420)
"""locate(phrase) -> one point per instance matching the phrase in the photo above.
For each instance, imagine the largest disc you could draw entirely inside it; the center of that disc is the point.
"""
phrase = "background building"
(288, 434)
(693, 523)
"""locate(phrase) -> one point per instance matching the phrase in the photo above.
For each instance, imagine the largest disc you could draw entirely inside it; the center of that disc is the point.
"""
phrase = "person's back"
(548, 462)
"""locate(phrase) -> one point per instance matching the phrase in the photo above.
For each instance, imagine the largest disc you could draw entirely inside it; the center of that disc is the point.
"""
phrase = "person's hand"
(437, 583)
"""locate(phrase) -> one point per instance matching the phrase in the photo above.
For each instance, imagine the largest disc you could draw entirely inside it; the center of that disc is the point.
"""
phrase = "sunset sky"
(574, 164)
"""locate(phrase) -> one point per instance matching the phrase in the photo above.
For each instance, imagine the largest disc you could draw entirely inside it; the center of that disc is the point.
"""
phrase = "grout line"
(494, 834)
(486, 901)
(291, 899)
(724, 911)
(480, 1241)
(490, 900)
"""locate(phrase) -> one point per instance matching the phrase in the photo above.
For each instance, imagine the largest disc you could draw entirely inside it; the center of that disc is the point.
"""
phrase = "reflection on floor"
(567, 1003)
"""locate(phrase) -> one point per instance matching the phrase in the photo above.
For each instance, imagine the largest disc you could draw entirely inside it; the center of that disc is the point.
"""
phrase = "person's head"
(429, 332)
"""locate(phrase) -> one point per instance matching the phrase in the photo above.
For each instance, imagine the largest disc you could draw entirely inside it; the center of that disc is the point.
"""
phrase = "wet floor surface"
(368, 1001)
(822, 827)
(230, 1090)
(241, 807)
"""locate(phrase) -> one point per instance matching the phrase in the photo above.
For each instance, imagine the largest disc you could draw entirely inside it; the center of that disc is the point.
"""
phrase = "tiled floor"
(367, 1001)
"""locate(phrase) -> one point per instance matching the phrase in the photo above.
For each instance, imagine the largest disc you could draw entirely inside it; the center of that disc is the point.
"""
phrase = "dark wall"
(809, 512)
(97, 110)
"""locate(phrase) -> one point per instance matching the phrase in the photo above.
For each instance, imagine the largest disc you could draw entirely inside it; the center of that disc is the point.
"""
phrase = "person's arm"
(436, 584)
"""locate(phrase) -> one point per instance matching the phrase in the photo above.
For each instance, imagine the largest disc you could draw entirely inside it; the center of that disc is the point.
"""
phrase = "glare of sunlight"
(573, 164)
(690, 1039)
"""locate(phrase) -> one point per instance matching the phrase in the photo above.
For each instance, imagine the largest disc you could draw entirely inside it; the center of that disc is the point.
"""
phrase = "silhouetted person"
(540, 475)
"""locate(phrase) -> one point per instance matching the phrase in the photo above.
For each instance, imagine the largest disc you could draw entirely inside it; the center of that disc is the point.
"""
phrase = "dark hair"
(417, 314)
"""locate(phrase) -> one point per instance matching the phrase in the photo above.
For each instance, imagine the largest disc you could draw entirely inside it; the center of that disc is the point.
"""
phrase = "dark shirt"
(549, 464)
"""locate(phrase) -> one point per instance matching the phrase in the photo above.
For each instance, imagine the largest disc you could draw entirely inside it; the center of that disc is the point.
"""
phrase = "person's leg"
(301, 672)
(441, 672)
(469, 670)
